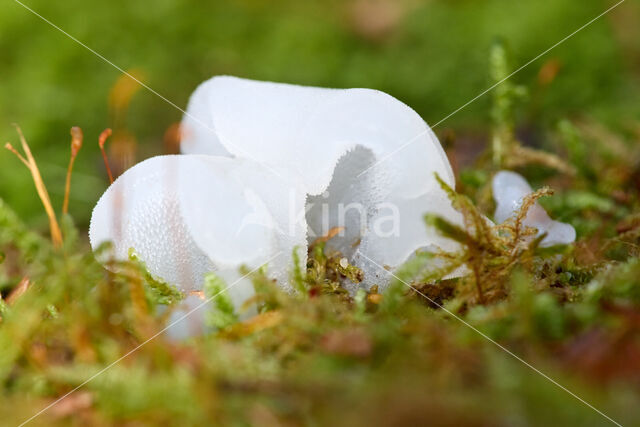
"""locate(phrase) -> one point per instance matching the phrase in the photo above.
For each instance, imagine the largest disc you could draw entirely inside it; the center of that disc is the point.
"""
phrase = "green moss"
(223, 313)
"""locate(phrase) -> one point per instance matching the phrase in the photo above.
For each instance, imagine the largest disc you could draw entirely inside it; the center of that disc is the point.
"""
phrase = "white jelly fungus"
(509, 189)
(356, 152)
(269, 167)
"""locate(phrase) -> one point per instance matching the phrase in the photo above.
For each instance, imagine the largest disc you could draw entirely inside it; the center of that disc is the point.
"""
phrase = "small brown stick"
(101, 141)
(30, 163)
(76, 144)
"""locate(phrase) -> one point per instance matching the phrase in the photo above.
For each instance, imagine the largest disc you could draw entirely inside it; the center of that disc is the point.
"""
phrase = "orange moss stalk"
(17, 292)
(101, 141)
(30, 163)
(76, 144)
(330, 235)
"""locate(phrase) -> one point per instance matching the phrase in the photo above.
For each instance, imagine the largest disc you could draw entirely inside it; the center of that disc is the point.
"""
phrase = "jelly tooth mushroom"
(509, 189)
(361, 159)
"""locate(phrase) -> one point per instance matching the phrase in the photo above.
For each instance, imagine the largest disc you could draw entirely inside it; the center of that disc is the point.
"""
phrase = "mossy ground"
(425, 351)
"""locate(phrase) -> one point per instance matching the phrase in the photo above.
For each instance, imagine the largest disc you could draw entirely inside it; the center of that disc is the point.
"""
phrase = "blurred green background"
(431, 54)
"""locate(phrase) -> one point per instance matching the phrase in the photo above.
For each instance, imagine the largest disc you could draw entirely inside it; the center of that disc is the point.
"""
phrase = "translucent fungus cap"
(180, 214)
(364, 160)
(509, 189)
